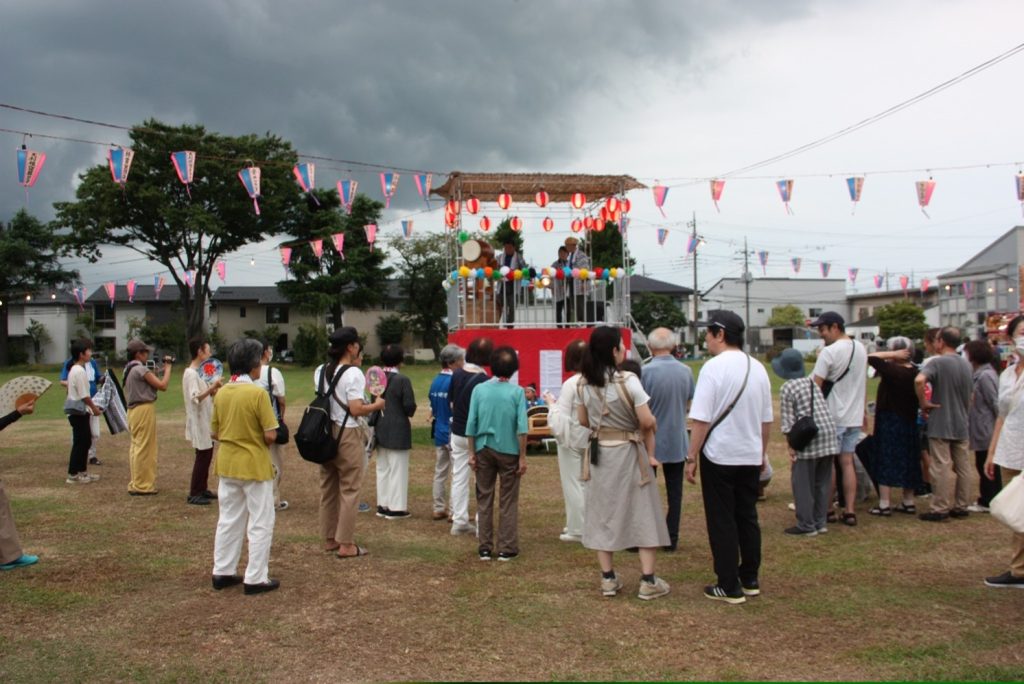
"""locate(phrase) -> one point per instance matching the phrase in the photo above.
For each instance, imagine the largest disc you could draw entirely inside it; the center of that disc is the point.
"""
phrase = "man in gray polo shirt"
(669, 384)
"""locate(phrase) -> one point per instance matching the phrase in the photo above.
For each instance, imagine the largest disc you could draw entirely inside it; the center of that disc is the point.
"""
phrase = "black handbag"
(804, 429)
(283, 434)
(827, 385)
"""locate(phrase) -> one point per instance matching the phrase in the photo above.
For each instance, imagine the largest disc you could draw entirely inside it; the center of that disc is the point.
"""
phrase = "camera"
(169, 359)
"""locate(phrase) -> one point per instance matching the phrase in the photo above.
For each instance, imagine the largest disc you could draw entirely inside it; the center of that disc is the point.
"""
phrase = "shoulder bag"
(282, 428)
(827, 385)
(804, 429)
(728, 409)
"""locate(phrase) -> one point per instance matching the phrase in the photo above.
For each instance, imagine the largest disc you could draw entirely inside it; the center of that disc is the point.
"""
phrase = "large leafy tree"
(652, 310)
(903, 317)
(155, 216)
(333, 283)
(787, 315)
(422, 272)
(28, 264)
(605, 247)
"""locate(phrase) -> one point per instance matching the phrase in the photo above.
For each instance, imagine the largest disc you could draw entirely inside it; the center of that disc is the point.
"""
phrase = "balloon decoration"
(305, 175)
(318, 247)
(185, 165)
(662, 235)
(717, 186)
(485, 224)
(504, 200)
(879, 279)
(388, 185)
(855, 184)
(660, 193)
(120, 161)
(347, 193)
(825, 268)
(762, 256)
(130, 287)
(423, 181)
(463, 237)
(371, 234)
(853, 275)
(516, 224)
(785, 192)
(339, 244)
(250, 177)
(542, 198)
(548, 224)
(407, 228)
(473, 205)
(796, 261)
(924, 194)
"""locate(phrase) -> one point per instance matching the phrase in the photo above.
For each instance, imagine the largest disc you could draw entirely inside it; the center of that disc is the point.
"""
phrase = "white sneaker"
(566, 537)
(610, 587)
(977, 508)
(92, 478)
(80, 478)
(652, 591)
(458, 530)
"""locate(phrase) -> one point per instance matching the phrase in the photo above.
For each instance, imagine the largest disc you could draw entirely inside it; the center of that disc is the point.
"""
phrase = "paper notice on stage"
(551, 371)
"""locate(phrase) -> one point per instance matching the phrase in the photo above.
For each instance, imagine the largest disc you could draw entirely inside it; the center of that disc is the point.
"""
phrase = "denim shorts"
(848, 438)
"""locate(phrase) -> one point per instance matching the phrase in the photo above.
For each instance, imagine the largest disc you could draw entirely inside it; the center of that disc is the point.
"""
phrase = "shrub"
(310, 345)
(390, 330)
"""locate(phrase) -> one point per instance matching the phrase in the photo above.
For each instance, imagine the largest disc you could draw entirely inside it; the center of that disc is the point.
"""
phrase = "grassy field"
(122, 589)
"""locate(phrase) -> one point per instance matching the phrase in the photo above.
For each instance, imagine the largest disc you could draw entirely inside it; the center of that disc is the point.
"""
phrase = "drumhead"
(471, 250)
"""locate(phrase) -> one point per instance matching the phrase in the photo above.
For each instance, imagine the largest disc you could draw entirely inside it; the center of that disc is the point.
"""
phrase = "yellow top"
(241, 414)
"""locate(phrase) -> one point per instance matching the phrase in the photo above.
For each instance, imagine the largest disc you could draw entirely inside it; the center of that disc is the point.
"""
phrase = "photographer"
(140, 388)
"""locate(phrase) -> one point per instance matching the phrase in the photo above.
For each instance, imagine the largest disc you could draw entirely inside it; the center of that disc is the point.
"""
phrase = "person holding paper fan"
(11, 555)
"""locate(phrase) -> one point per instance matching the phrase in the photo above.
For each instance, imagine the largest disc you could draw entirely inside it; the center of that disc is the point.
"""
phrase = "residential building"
(56, 311)
(116, 320)
(989, 282)
(234, 310)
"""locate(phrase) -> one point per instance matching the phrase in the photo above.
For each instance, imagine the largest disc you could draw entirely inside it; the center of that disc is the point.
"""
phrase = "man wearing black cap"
(511, 259)
(732, 418)
(841, 371)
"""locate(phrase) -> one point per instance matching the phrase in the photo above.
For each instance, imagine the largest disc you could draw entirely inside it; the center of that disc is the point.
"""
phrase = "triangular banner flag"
(318, 247)
(130, 286)
(924, 285)
(762, 256)
(407, 228)
(662, 235)
(339, 244)
(423, 186)
(371, 233)
(796, 261)
(111, 289)
(904, 282)
(969, 289)
(924, 194)
(79, 293)
(624, 226)
(879, 279)
(305, 176)
(158, 284)
(853, 275)
(286, 256)
(250, 177)
(855, 184)
(30, 163)
(717, 186)
(825, 268)
(222, 270)
(660, 193)
(785, 192)
(388, 185)
(347, 193)
(1020, 190)
(691, 244)
(120, 160)
(185, 165)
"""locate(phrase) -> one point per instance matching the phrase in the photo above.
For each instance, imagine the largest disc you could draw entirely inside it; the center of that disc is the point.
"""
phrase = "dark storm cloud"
(428, 85)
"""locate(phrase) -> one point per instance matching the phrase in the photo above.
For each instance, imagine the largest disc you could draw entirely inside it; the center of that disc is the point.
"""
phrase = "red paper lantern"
(548, 224)
(617, 216)
(605, 214)
(541, 198)
(625, 205)
(578, 200)
(485, 224)
(472, 205)
(516, 224)
(504, 200)
(577, 225)
(599, 226)
(452, 207)
(450, 219)
(588, 223)
(612, 204)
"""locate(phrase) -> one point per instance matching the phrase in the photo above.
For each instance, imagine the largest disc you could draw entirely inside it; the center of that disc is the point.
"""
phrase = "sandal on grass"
(904, 508)
(884, 512)
(850, 519)
(831, 517)
(360, 551)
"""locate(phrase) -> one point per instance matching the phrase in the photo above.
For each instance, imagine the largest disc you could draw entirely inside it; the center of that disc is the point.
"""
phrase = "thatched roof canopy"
(523, 186)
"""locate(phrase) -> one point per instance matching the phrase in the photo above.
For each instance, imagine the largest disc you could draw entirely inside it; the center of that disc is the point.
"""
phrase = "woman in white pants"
(571, 438)
(244, 423)
(394, 438)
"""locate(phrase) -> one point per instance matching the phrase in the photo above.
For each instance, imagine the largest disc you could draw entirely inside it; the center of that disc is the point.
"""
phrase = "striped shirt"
(795, 402)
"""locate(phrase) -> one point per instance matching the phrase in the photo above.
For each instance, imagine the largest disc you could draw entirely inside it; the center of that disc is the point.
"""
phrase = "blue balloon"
(479, 273)
(567, 271)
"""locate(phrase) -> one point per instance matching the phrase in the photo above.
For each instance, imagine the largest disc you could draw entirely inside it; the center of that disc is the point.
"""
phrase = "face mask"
(1018, 346)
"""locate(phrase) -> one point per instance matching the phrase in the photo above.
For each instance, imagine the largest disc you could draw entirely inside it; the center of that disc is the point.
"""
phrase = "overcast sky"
(670, 90)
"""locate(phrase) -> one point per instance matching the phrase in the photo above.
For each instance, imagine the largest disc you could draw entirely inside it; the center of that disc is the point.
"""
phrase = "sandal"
(884, 512)
(850, 519)
(831, 517)
(360, 551)
(904, 508)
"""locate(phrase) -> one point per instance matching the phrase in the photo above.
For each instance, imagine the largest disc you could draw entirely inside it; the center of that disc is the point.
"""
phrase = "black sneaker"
(210, 495)
(395, 515)
(958, 513)
(750, 588)
(797, 532)
(507, 555)
(382, 512)
(934, 517)
(95, 461)
(717, 593)
(1005, 580)
(269, 585)
(199, 500)
(485, 554)
(225, 581)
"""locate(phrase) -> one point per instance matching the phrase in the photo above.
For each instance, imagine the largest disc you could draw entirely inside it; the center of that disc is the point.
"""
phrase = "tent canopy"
(522, 186)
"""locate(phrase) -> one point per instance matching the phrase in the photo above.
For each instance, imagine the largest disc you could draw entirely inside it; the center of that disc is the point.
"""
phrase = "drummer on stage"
(511, 259)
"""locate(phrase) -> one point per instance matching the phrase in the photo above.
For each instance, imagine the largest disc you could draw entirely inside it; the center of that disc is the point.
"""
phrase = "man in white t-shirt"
(732, 419)
(273, 382)
(843, 364)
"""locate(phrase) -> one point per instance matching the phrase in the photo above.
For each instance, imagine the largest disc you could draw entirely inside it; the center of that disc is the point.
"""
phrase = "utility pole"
(746, 281)
(696, 293)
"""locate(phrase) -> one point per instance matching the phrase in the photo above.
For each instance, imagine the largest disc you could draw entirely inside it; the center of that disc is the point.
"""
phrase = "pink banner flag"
(111, 289)
(250, 177)
(30, 163)
(969, 289)
(825, 268)
(904, 282)
(318, 247)
(305, 176)
(190, 278)
(1020, 190)
(796, 264)
(79, 294)
(717, 186)
(222, 270)
(158, 284)
(662, 235)
(371, 233)
(407, 228)
(660, 193)
(388, 185)
(347, 193)
(853, 275)
(286, 256)
(785, 192)
(185, 166)
(423, 185)
(120, 161)
(879, 279)
(130, 286)
(855, 185)
(762, 256)
(924, 285)
(691, 244)
(339, 244)
(924, 194)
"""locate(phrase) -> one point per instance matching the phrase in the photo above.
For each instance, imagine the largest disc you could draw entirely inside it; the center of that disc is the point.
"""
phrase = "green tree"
(426, 302)
(87, 327)
(786, 316)
(902, 317)
(652, 310)
(28, 264)
(605, 247)
(390, 329)
(504, 232)
(40, 337)
(333, 283)
(155, 216)
(310, 344)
